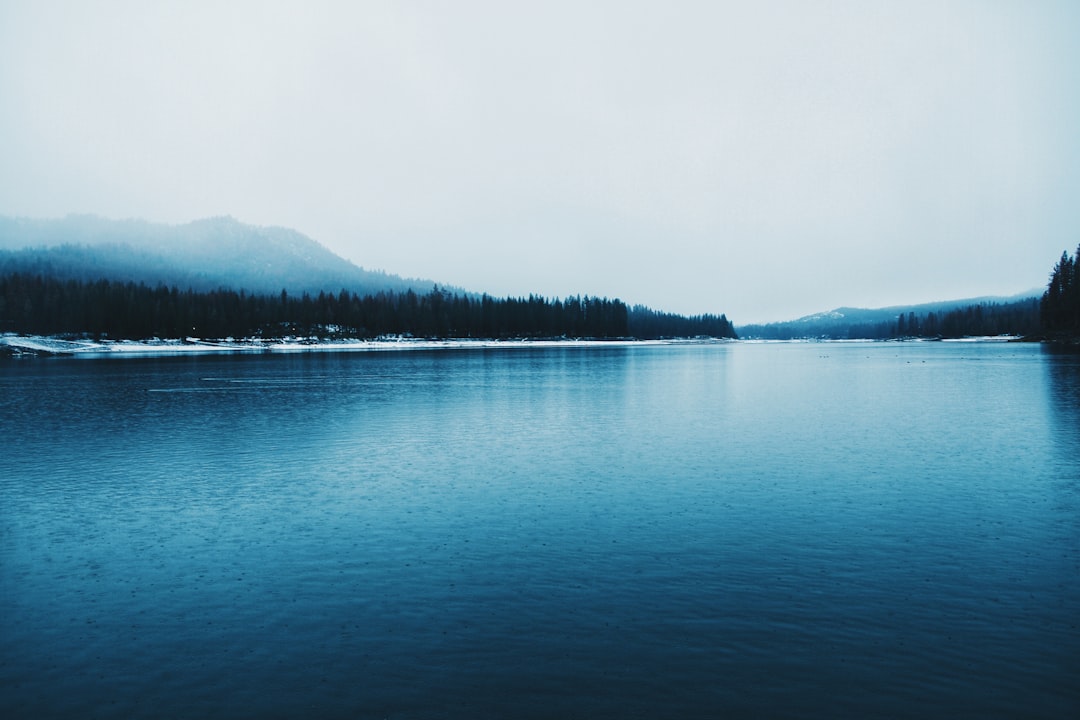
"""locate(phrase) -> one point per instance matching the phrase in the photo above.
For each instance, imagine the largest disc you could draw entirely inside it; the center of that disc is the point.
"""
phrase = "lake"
(687, 531)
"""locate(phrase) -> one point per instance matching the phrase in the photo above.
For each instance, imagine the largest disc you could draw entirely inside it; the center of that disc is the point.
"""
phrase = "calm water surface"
(795, 530)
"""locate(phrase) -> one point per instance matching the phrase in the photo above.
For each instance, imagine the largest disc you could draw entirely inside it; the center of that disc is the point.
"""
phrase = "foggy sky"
(762, 159)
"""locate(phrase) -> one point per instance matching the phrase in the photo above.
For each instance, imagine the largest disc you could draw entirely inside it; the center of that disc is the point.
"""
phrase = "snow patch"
(38, 345)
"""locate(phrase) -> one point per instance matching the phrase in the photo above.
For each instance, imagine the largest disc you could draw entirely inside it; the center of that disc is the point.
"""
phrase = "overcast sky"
(762, 159)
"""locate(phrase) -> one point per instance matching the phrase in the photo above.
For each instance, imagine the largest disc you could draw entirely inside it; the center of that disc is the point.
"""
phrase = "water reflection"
(1063, 387)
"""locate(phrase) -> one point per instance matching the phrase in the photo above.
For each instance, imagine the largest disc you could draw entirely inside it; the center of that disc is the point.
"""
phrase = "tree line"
(41, 305)
(986, 319)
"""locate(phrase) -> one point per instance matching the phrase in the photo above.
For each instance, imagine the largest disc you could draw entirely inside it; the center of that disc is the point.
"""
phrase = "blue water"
(790, 530)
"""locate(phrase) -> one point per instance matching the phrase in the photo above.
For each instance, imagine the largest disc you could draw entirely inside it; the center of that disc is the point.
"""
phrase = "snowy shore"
(13, 345)
(34, 345)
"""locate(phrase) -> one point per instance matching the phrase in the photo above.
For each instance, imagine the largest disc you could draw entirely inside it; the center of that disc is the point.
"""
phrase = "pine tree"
(1060, 305)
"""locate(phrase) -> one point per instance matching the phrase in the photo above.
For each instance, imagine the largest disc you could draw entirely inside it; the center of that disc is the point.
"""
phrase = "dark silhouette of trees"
(1059, 309)
(43, 305)
(650, 324)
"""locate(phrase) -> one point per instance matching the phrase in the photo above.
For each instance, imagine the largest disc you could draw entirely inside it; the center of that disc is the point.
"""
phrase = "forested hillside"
(936, 320)
(220, 277)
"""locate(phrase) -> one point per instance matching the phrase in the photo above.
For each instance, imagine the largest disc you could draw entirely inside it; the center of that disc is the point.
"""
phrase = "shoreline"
(16, 346)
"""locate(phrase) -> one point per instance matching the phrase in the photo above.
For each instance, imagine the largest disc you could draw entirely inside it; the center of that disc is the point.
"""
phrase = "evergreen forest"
(41, 305)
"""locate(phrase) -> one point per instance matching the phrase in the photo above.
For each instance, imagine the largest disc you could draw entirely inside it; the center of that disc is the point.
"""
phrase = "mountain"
(847, 322)
(201, 255)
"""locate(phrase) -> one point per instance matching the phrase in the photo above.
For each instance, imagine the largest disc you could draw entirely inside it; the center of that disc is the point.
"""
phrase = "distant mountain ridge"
(845, 322)
(875, 314)
(202, 255)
